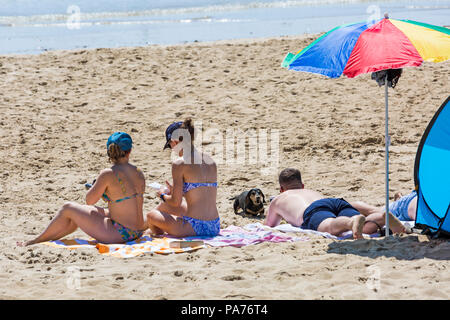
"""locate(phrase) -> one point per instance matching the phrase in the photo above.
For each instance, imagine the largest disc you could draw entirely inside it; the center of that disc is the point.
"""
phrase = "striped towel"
(130, 249)
(235, 236)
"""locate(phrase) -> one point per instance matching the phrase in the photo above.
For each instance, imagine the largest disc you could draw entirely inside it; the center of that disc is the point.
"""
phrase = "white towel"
(346, 235)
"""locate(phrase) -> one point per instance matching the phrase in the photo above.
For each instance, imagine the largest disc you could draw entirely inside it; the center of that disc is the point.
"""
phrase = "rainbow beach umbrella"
(358, 48)
(372, 46)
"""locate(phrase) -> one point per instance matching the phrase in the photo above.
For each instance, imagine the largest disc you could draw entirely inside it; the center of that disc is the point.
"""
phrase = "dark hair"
(289, 176)
(115, 153)
(187, 124)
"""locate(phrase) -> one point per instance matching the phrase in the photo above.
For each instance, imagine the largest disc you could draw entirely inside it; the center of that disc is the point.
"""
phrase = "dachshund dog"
(251, 202)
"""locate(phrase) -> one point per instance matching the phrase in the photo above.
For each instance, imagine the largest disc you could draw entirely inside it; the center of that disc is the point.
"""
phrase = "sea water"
(31, 26)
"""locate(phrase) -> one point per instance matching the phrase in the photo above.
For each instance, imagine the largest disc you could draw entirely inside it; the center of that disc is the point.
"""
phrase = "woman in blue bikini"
(188, 206)
(123, 221)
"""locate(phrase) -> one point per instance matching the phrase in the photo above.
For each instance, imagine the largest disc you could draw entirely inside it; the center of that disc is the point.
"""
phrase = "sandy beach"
(58, 108)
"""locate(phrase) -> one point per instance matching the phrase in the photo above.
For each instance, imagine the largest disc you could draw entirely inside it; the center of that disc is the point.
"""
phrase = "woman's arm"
(176, 191)
(96, 191)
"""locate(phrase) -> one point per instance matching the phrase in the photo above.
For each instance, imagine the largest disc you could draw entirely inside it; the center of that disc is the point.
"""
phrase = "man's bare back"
(332, 215)
(290, 206)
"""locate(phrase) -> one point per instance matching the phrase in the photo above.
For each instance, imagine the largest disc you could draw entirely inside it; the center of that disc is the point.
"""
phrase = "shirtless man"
(309, 209)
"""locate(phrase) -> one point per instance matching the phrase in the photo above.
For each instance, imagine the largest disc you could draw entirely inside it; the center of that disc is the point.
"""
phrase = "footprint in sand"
(232, 278)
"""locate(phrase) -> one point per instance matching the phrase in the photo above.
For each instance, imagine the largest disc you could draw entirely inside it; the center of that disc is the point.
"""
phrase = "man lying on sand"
(309, 209)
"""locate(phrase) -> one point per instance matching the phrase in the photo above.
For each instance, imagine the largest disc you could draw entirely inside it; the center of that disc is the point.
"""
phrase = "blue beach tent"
(432, 175)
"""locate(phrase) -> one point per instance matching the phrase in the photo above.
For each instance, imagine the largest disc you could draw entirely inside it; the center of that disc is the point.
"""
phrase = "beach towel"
(345, 235)
(250, 234)
(130, 249)
(231, 236)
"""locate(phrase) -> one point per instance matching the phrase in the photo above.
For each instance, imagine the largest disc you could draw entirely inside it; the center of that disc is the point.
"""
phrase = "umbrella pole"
(387, 142)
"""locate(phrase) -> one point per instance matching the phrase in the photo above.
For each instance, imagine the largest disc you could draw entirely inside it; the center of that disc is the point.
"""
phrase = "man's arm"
(273, 218)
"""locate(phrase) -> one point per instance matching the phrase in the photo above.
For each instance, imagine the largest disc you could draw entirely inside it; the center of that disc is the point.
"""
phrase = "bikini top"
(124, 192)
(187, 186)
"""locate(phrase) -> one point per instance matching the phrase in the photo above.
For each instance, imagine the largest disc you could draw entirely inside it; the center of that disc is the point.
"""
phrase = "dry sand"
(58, 108)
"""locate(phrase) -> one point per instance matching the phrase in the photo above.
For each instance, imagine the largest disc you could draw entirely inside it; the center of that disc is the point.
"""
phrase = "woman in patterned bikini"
(188, 205)
(123, 221)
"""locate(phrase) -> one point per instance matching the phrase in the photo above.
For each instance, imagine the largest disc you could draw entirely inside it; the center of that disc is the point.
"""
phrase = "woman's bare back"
(126, 182)
(201, 201)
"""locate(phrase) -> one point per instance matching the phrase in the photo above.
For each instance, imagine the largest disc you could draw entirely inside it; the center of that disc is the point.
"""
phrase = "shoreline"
(182, 44)
(192, 43)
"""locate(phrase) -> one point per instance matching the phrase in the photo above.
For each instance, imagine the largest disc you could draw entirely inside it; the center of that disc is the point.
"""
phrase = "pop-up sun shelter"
(432, 174)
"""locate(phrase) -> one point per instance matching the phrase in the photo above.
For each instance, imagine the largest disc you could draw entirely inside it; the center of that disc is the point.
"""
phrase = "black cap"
(170, 129)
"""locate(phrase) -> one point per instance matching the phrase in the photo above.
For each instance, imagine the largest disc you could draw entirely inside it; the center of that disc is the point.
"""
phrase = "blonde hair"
(115, 153)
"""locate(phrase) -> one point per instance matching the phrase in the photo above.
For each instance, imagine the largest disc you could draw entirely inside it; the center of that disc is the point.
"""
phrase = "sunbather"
(123, 220)
(403, 208)
(188, 207)
(309, 209)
